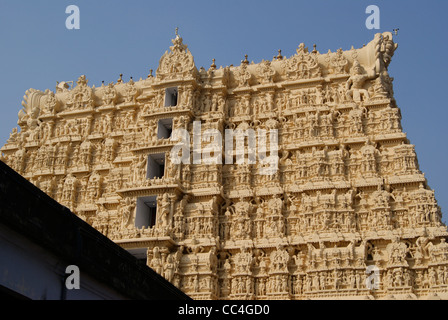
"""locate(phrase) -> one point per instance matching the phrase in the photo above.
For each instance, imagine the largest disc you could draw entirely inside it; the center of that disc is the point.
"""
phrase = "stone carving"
(243, 75)
(130, 92)
(178, 62)
(347, 194)
(243, 261)
(397, 252)
(303, 65)
(81, 96)
(140, 168)
(127, 212)
(279, 260)
(266, 72)
(69, 191)
(109, 95)
(338, 62)
(31, 108)
(163, 207)
(355, 84)
(384, 50)
(50, 104)
(94, 187)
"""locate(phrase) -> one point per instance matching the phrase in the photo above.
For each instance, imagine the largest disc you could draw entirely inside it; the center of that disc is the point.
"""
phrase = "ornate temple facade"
(346, 206)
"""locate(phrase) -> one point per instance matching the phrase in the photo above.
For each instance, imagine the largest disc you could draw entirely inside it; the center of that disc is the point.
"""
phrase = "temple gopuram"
(346, 214)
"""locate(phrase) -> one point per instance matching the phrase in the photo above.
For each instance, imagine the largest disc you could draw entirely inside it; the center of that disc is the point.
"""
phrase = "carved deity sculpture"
(127, 212)
(130, 92)
(109, 94)
(140, 169)
(279, 260)
(266, 72)
(50, 104)
(338, 62)
(355, 84)
(81, 96)
(163, 209)
(243, 75)
(243, 261)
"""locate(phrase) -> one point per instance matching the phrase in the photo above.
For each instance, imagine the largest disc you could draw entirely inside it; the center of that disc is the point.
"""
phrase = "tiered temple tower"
(346, 202)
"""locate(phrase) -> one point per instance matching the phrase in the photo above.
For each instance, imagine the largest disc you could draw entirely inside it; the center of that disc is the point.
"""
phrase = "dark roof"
(32, 213)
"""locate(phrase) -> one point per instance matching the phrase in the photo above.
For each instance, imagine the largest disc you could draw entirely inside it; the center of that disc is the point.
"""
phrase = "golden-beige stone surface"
(347, 205)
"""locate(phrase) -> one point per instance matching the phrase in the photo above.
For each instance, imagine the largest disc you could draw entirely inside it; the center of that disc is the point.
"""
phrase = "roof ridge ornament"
(178, 62)
(303, 65)
(279, 56)
(178, 44)
(213, 65)
(82, 80)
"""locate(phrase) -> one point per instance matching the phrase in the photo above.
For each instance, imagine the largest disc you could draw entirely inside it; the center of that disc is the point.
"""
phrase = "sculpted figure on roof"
(178, 62)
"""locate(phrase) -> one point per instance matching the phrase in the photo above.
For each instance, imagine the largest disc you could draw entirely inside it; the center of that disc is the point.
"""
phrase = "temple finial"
(279, 56)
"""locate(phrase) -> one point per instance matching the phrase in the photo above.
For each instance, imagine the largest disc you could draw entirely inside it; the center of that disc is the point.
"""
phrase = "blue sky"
(129, 37)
